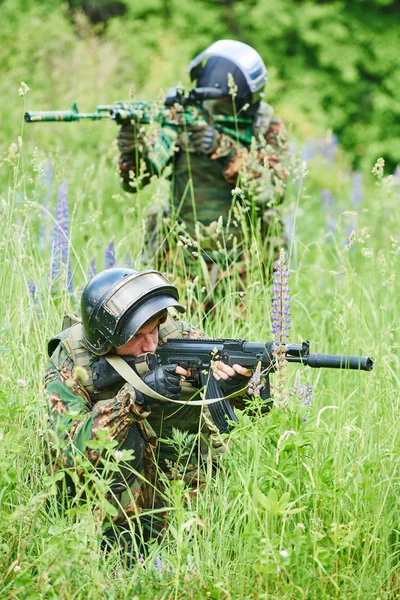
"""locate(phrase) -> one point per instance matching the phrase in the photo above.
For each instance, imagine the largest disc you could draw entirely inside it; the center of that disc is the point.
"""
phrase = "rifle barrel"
(61, 115)
(334, 361)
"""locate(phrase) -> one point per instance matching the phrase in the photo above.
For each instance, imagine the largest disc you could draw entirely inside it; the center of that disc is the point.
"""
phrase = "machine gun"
(198, 356)
(177, 109)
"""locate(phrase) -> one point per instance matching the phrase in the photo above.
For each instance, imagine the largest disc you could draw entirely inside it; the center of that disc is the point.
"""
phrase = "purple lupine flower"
(47, 180)
(60, 246)
(109, 256)
(308, 151)
(33, 297)
(32, 291)
(396, 179)
(92, 270)
(127, 260)
(280, 327)
(328, 204)
(280, 302)
(158, 563)
(356, 190)
(331, 149)
(255, 384)
(303, 393)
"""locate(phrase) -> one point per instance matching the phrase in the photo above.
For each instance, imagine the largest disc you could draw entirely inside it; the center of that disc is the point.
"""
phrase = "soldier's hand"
(204, 139)
(231, 379)
(127, 139)
(165, 380)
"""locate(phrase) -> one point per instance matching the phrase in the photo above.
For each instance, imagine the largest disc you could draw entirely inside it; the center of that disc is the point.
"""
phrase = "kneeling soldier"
(127, 312)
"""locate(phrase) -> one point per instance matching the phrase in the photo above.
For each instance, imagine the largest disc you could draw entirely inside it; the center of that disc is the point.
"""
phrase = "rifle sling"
(127, 373)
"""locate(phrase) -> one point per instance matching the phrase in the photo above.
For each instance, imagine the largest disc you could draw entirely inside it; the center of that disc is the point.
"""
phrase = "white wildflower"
(377, 169)
(366, 252)
(23, 90)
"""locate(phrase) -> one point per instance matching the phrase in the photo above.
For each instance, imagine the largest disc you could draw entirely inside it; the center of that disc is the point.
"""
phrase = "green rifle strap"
(127, 373)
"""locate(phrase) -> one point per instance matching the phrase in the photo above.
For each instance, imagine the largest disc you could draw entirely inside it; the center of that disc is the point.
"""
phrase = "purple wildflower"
(280, 326)
(60, 246)
(109, 256)
(328, 204)
(33, 297)
(396, 179)
(92, 270)
(330, 149)
(127, 260)
(280, 302)
(255, 384)
(308, 151)
(47, 180)
(356, 190)
(32, 292)
(303, 393)
(158, 563)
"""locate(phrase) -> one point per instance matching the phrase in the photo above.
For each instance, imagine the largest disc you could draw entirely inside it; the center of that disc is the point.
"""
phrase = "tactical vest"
(209, 196)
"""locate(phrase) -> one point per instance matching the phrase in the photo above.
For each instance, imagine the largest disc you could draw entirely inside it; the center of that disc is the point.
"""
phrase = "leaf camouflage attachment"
(178, 109)
(199, 355)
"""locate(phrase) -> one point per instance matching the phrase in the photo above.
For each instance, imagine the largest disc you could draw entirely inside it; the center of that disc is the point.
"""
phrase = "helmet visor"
(132, 291)
(130, 324)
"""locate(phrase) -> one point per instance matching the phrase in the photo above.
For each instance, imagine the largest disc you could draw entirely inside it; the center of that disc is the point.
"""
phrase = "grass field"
(305, 503)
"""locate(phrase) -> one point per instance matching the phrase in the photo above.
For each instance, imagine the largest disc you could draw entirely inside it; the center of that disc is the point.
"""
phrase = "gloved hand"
(204, 139)
(231, 379)
(233, 384)
(127, 140)
(164, 380)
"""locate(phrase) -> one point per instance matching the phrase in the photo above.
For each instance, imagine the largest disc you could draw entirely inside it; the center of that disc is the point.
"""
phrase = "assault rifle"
(178, 109)
(198, 355)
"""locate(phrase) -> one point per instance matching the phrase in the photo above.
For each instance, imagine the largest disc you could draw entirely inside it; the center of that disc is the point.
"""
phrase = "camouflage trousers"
(172, 245)
(142, 514)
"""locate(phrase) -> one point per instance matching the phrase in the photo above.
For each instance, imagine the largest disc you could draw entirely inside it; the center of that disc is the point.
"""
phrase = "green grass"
(296, 509)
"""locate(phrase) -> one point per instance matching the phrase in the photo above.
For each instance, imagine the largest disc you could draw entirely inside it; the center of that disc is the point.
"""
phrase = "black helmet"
(117, 302)
(211, 67)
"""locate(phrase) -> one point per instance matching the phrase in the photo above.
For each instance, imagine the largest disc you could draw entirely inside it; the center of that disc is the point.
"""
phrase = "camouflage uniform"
(77, 413)
(202, 184)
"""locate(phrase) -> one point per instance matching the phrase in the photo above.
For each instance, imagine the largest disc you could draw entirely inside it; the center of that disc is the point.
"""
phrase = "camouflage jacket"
(203, 184)
(77, 414)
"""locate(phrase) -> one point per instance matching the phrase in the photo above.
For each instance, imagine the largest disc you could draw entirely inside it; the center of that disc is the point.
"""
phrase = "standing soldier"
(209, 165)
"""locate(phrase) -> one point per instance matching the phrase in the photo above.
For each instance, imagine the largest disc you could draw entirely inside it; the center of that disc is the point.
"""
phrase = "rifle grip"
(266, 396)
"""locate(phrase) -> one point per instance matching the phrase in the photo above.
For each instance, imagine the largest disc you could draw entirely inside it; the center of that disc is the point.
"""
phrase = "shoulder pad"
(55, 341)
(169, 329)
(70, 338)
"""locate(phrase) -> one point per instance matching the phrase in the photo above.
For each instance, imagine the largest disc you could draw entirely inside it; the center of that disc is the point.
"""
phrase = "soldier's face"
(145, 340)
(223, 106)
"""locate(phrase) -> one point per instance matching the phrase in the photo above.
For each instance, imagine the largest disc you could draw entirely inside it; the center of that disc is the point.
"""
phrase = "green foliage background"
(332, 63)
(296, 509)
